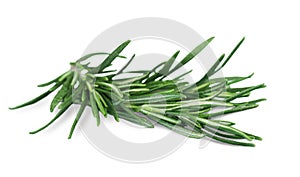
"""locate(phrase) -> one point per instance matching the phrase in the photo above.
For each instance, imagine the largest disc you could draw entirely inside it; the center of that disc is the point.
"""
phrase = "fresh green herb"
(186, 108)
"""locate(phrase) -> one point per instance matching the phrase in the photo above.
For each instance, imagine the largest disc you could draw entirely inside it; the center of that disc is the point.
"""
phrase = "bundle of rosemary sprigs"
(188, 109)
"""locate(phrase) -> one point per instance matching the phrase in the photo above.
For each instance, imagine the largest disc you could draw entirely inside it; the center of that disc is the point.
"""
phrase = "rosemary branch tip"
(153, 96)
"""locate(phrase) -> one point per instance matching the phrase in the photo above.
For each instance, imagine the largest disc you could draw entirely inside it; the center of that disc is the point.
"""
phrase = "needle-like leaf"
(81, 109)
(107, 62)
(94, 54)
(191, 55)
(60, 112)
(38, 98)
(94, 107)
(65, 89)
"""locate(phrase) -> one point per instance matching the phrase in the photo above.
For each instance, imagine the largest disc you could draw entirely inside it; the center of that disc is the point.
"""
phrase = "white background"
(39, 39)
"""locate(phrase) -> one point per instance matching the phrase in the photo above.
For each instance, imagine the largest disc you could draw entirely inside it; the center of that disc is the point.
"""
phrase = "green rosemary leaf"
(107, 62)
(74, 79)
(94, 54)
(132, 86)
(192, 122)
(221, 134)
(191, 55)
(141, 119)
(154, 98)
(181, 76)
(110, 93)
(112, 87)
(245, 91)
(38, 98)
(168, 64)
(224, 122)
(159, 116)
(65, 89)
(211, 71)
(200, 102)
(127, 64)
(80, 111)
(178, 129)
(252, 102)
(131, 119)
(227, 141)
(223, 127)
(60, 112)
(228, 111)
(138, 71)
(231, 54)
(130, 80)
(238, 79)
(55, 80)
(165, 69)
(138, 90)
(100, 103)
(110, 107)
(100, 97)
(94, 107)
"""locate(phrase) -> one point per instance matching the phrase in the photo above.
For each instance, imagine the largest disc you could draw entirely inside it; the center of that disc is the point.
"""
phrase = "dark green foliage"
(185, 108)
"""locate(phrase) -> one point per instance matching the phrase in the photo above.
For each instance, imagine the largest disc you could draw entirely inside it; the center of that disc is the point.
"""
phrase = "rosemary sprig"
(188, 109)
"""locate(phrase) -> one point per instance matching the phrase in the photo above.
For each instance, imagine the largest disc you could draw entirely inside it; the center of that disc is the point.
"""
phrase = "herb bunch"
(189, 109)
